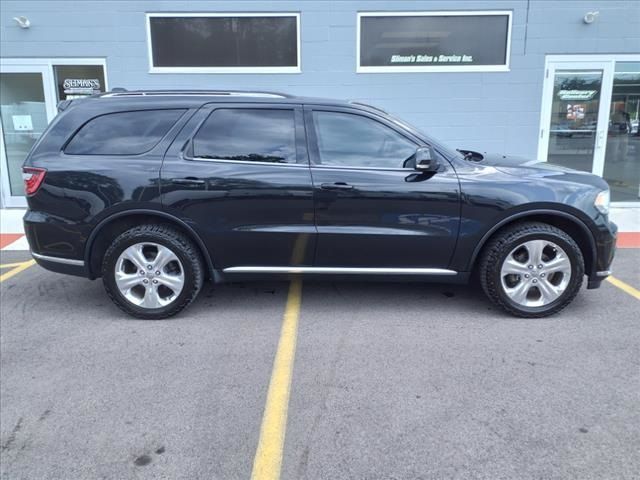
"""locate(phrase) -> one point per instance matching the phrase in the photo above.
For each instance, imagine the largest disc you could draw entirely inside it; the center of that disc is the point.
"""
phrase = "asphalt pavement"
(390, 381)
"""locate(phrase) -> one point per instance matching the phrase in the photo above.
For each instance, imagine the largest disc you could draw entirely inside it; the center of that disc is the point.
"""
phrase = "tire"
(550, 285)
(171, 280)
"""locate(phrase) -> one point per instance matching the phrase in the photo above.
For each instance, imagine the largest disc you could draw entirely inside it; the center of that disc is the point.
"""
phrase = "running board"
(343, 270)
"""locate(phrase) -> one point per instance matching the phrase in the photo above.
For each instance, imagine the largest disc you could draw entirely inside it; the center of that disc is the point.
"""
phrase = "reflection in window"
(123, 133)
(349, 140)
(574, 118)
(24, 117)
(224, 41)
(254, 135)
(622, 160)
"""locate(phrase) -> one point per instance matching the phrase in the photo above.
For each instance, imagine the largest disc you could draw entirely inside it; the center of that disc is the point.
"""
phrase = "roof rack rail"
(121, 92)
(353, 102)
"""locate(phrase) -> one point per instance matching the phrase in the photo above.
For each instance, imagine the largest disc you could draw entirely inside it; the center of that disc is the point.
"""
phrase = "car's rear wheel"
(152, 271)
(532, 269)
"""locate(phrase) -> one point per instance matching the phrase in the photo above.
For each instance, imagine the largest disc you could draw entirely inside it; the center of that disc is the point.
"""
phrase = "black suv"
(157, 191)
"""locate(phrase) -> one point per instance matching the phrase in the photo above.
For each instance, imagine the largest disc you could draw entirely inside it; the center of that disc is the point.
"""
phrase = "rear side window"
(123, 133)
(253, 135)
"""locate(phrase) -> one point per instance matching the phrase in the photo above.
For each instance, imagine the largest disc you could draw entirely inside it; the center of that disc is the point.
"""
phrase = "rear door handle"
(188, 181)
(336, 186)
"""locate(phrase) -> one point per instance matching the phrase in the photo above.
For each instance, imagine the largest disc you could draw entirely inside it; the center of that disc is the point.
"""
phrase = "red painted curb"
(628, 240)
(8, 238)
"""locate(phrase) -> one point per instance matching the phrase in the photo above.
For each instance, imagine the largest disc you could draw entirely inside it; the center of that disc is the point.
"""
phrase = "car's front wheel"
(532, 269)
(152, 271)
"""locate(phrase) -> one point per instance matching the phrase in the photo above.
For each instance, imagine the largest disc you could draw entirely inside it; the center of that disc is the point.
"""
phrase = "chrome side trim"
(245, 162)
(66, 261)
(603, 273)
(343, 270)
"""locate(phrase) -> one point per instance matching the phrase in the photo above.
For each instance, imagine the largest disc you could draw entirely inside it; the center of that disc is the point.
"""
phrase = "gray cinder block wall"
(497, 112)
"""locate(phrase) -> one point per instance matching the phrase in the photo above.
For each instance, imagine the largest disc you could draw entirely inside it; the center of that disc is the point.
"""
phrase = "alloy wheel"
(535, 273)
(149, 275)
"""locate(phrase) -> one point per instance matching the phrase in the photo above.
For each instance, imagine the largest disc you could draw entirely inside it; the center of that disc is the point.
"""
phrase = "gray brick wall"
(487, 111)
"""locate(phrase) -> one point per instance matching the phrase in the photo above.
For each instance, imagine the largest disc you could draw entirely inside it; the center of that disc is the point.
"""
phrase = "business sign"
(77, 81)
(433, 41)
(577, 94)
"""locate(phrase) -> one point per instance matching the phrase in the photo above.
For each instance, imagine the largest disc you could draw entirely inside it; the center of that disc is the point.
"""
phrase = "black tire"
(179, 244)
(503, 243)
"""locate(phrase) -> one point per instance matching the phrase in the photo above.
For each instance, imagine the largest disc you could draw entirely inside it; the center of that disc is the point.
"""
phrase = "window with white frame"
(434, 41)
(224, 43)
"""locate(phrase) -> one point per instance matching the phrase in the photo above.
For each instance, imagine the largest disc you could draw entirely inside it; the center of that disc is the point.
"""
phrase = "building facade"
(548, 80)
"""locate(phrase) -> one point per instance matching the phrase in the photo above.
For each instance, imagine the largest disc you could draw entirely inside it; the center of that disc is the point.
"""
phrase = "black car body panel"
(300, 214)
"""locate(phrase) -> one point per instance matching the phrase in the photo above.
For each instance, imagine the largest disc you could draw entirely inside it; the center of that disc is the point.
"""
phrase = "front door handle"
(336, 186)
(188, 181)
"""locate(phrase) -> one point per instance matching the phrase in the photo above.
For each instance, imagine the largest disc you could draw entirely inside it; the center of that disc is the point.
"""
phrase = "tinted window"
(433, 40)
(224, 41)
(346, 139)
(255, 135)
(123, 133)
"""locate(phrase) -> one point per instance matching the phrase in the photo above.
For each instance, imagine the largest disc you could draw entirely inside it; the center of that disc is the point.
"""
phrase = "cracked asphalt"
(391, 381)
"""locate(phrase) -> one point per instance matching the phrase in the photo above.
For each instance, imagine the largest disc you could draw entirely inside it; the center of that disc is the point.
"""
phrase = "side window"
(254, 135)
(123, 133)
(351, 140)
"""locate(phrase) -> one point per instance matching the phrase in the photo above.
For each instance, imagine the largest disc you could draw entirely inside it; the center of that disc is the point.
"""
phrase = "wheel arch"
(567, 222)
(121, 221)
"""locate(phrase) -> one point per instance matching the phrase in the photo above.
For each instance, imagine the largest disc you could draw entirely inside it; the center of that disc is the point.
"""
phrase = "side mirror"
(426, 160)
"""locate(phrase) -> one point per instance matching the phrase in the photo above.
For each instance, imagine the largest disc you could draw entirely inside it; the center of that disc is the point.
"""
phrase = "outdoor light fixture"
(23, 22)
(590, 17)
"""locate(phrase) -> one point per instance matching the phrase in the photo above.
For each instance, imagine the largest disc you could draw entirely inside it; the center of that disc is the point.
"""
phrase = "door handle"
(336, 186)
(188, 181)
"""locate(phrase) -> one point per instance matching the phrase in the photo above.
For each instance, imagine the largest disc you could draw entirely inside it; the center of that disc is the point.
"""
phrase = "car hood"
(524, 167)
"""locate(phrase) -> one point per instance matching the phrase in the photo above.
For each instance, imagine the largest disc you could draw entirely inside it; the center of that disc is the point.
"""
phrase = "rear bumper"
(61, 265)
(605, 252)
(53, 244)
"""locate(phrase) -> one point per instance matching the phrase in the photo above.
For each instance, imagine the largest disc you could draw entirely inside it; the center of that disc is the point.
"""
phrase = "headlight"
(602, 202)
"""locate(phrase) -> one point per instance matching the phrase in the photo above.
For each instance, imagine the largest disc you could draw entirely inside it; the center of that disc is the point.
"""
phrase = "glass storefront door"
(26, 107)
(574, 130)
(590, 114)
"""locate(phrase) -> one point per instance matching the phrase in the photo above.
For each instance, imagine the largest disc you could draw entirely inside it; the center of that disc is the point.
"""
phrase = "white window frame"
(154, 69)
(435, 68)
(45, 67)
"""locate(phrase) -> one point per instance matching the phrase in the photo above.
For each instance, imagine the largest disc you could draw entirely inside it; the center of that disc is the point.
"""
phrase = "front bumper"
(605, 241)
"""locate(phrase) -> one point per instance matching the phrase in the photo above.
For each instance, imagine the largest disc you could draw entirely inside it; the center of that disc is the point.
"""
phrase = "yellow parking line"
(625, 287)
(268, 459)
(11, 265)
(17, 269)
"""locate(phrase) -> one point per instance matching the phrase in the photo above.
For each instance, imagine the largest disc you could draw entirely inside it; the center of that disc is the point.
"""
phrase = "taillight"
(33, 178)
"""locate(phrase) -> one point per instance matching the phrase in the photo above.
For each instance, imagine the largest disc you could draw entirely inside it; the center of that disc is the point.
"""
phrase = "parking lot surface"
(390, 381)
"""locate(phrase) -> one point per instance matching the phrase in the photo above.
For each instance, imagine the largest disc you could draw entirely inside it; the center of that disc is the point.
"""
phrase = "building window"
(433, 41)
(224, 43)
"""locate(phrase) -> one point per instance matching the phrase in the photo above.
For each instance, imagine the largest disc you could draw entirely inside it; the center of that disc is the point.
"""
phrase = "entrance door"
(575, 113)
(26, 107)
